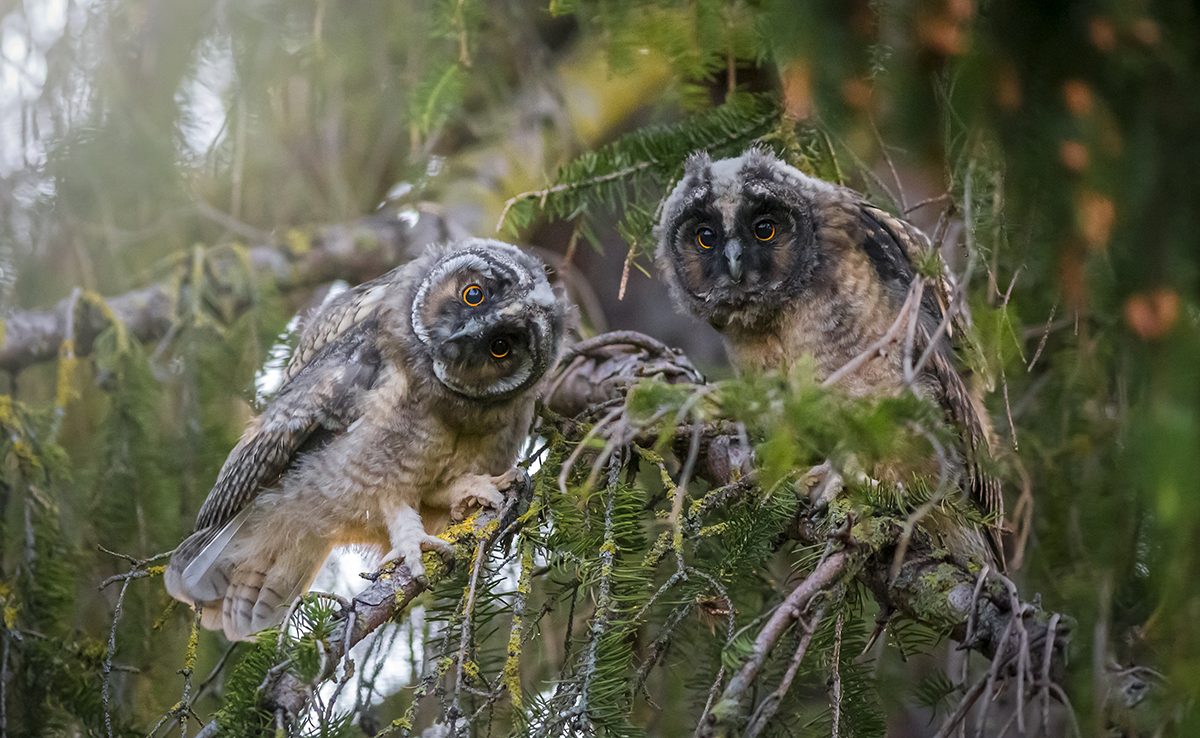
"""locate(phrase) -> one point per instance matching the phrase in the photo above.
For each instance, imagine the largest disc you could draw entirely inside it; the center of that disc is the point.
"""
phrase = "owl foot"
(482, 492)
(409, 539)
(409, 554)
(823, 485)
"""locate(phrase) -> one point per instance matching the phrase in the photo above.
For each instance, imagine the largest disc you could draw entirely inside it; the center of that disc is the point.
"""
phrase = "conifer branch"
(394, 587)
(541, 195)
(355, 251)
(728, 709)
(921, 582)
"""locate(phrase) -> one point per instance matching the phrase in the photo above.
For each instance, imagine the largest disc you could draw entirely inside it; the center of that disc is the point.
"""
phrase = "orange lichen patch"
(1073, 155)
(797, 89)
(960, 10)
(942, 34)
(946, 30)
(858, 93)
(1078, 97)
(1008, 89)
(1146, 31)
(1151, 315)
(1103, 33)
(1072, 277)
(1096, 214)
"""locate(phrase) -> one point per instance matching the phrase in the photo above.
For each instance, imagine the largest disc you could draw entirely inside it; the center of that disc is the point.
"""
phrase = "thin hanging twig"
(835, 689)
(1045, 335)
(767, 708)
(888, 337)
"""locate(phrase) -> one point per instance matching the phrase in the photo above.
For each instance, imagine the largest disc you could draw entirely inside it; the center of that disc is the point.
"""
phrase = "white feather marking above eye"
(483, 256)
(543, 295)
(196, 577)
(695, 197)
(449, 265)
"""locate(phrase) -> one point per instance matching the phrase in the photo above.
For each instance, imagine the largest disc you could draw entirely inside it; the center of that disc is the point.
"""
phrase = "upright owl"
(785, 265)
(405, 403)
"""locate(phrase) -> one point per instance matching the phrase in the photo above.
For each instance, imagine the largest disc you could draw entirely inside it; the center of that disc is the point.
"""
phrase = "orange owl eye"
(764, 230)
(473, 295)
(705, 237)
(500, 347)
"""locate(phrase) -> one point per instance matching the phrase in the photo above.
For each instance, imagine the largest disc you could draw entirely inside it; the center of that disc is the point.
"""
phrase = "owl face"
(735, 242)
(488, 320)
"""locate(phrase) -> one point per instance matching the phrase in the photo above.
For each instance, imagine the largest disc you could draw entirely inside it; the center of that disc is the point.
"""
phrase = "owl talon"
(477, 491)
(442, 547)
(482, 499)
(411, 556)
(823, 485)
(516, 478)
(409, 540)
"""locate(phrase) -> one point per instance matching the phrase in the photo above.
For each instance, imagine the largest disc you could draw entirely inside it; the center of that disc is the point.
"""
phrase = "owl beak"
(733, 254)
(460, 335)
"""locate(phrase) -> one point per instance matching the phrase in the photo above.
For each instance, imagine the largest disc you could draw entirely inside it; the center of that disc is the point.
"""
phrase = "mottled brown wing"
(319, 401)
(912, 243)
(890, 243)
(338, 315)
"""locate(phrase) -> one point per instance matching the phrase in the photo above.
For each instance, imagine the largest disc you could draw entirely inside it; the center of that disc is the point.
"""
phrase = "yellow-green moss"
(931, 603)
(659, 549)
(167, 612)
(189, 658)
(297, 241)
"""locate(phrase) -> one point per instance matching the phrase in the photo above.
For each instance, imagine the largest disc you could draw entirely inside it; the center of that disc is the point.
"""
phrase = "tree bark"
(355, 252)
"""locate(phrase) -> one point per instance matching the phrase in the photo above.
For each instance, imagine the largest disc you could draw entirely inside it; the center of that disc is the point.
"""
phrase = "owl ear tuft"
(760, 159)
(697, 162)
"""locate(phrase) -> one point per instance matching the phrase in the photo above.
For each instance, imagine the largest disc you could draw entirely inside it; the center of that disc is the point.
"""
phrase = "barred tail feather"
(261, 589)
(206, 576)
(244, 580)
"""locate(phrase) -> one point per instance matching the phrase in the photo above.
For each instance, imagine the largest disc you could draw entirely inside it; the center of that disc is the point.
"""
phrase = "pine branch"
(622, 172)
(355, 251)
(727, 711)
(929, 586)
(383, 600)
(392, 591)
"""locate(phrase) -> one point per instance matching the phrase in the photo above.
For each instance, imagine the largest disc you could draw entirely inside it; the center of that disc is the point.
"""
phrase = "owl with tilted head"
(404, 406)
(785, 265)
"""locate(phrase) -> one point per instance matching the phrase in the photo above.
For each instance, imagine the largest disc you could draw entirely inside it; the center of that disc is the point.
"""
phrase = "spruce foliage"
(1049, 149)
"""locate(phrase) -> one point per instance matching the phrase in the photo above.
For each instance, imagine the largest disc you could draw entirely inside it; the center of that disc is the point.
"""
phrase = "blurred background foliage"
(138, 137)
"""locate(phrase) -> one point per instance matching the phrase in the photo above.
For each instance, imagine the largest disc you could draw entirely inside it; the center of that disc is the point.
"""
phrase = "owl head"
(485, 318)
(735, 242)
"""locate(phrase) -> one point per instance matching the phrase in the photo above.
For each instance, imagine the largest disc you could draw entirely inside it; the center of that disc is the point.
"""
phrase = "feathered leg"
(409, 539)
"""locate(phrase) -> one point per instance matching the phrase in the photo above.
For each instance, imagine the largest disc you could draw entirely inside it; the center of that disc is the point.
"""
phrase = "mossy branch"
(393, 588)
(978, 608)
(294, 259)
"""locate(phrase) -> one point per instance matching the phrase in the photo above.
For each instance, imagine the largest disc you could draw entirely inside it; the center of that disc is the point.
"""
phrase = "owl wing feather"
(317, 402)
(890, 244)
(336, 316)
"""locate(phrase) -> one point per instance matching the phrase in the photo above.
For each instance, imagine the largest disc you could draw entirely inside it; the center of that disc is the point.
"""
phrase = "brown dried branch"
(355, 251)
(922, 583)
(728, 709)
(766, 709)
